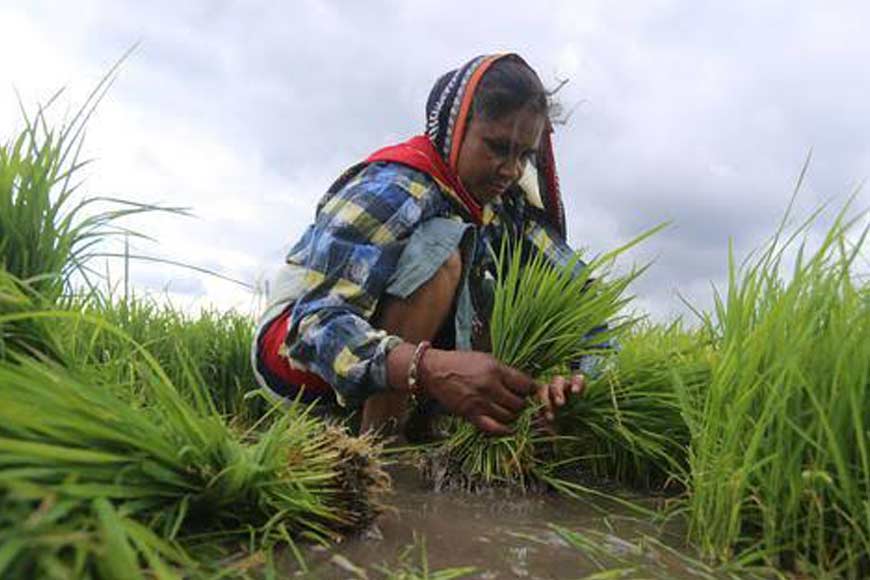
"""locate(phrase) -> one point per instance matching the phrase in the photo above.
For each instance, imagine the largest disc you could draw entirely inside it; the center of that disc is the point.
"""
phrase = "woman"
(385, 296)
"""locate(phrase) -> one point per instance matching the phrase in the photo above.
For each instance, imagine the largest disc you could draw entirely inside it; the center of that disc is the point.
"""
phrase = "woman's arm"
(349, 255)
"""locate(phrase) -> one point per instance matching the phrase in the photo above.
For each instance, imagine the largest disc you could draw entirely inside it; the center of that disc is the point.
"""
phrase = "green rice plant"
(628, 426)
(46, 232)
(544, 318)
(210, 349)
(171, 468)
(44, 536)
(40, 239)
(23, 334)
(779, 460)
(414, 565)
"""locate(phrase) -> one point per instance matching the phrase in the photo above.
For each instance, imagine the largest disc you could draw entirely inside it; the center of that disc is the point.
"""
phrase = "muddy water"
(502, 536)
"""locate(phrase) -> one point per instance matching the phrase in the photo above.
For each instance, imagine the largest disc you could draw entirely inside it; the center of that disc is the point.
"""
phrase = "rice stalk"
(779, 461)
(648, 557)
(413, 564)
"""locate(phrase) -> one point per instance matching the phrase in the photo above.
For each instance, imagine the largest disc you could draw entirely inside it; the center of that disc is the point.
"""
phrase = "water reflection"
(501, 535)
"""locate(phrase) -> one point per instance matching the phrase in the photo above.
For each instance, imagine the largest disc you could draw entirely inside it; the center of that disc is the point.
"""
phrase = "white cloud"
(700, 113)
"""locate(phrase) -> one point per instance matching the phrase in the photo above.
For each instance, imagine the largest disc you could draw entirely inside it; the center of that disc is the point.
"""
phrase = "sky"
(701, 114)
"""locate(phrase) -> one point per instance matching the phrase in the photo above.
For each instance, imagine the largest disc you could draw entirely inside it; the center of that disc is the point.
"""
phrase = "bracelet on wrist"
(415, 387)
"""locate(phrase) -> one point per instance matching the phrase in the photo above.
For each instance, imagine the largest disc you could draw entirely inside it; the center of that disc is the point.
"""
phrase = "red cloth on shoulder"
(419, 153)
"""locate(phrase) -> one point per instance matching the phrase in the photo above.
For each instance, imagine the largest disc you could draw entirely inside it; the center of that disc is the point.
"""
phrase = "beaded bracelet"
(415, 388)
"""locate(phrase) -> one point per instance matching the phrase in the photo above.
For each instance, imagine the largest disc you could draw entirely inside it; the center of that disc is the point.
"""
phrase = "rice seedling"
(210, 348)
(170, 472)
(23, 334)
(413, 564)
(544, 319)
(779, 461)
(47, 231)
(628, 427)
(44, 536)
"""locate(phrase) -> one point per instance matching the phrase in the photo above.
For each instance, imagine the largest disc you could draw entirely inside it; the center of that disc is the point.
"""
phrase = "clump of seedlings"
(779, 462)
(628, 428)
(168, 469)
(544, 319)
(114, 464)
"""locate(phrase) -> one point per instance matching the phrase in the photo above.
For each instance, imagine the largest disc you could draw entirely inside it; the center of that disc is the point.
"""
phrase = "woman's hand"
(477, 387)
(556, 394)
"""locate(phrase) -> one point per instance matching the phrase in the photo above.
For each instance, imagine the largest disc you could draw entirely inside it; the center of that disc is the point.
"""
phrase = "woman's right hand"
(476, 386)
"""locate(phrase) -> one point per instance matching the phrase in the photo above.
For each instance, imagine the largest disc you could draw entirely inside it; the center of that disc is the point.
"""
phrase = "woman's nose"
(512, 168)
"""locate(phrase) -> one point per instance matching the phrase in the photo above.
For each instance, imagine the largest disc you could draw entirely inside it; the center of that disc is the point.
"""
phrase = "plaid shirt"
(350, 253)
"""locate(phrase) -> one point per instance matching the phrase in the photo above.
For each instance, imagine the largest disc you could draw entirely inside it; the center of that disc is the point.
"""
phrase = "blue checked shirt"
(349, 254)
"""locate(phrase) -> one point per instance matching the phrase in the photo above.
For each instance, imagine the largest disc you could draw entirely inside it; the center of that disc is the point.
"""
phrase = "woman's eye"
(499, 149)
(506, 150)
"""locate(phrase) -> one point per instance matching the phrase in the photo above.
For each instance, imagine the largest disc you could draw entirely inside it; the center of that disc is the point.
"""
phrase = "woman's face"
(494, 153)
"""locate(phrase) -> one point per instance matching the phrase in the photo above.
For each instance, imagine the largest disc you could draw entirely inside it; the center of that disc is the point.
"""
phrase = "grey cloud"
(693, 112)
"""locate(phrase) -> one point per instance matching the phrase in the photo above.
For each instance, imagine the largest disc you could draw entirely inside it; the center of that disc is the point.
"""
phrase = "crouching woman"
(384, 301)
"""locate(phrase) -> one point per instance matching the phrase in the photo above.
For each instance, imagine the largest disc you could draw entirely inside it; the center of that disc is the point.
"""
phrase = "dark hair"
(509, 85)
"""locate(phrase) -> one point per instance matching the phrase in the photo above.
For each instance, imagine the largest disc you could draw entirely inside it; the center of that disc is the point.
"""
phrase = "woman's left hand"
(556, 394)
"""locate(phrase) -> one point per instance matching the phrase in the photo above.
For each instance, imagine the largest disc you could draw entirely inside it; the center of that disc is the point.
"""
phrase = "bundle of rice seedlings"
(780, 455)
(544, 319)
(628, 426)
(168, 463)
(469, 461)
(118, 474)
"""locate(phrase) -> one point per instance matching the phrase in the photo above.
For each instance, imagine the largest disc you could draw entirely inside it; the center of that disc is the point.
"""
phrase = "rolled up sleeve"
(350, 255)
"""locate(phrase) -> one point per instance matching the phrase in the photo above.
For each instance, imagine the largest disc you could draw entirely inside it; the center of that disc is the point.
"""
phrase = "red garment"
(276, 369)
(419, 153)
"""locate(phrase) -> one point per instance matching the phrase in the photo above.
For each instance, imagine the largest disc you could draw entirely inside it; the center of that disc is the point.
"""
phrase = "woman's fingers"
(557, 390)
(556, 394)
(508, 400)
(578, 384)
(518, 382)
(489, 425)
(547, 401)
(499, 413)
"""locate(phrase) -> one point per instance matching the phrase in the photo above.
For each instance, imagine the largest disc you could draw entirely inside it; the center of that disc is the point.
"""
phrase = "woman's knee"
(420, 315)
(450, 272)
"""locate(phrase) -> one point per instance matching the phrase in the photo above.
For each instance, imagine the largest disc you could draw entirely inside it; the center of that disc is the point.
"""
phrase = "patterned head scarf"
(437, 151)
(447, 112)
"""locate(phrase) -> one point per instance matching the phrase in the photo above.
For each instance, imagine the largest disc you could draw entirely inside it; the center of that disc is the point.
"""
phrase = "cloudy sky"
(696, 112)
